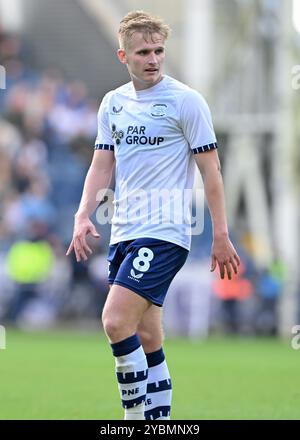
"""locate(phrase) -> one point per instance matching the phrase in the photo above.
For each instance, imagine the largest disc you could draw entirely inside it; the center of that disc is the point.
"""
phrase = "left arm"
(223, 251)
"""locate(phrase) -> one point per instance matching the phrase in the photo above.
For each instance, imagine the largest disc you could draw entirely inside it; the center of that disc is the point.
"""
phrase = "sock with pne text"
(159, 388)
(132, 374)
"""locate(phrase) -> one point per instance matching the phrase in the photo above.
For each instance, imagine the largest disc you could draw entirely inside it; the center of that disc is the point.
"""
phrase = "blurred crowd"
(47, 129)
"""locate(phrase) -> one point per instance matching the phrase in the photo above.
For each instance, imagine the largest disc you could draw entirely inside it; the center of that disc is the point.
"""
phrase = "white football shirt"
(154, 134)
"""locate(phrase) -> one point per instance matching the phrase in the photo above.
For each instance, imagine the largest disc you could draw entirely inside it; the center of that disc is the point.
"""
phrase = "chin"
(153, 79)
(146, 81)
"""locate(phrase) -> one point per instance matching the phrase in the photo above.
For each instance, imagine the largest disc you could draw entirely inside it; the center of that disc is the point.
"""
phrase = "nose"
(152, 59)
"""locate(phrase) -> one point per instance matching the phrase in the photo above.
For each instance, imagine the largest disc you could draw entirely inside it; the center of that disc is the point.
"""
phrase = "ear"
(122, 56)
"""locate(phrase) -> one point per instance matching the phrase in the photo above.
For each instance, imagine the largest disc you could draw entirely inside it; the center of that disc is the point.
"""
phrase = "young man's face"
(144, 59)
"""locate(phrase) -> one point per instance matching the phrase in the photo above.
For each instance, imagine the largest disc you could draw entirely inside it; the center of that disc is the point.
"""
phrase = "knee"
(151, 341)
(145, 337)
(111, 325)
(115, 327)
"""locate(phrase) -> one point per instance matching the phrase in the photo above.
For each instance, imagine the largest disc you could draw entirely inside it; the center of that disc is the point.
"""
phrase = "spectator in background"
(231, 294)
(29, 264)
(268, 286)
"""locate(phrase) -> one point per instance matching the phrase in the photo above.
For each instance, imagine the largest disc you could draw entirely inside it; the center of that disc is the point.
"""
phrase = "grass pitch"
(70, 375)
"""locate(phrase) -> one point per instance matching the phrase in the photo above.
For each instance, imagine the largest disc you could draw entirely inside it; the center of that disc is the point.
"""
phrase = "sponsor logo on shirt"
(116, 110)
(117, 135)
(135, 135)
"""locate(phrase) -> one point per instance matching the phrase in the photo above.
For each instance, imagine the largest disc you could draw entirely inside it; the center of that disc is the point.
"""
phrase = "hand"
(224, 253)
(82, 227)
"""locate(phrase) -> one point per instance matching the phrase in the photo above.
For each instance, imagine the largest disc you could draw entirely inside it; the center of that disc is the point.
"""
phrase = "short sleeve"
(196, 123)
(103, 140)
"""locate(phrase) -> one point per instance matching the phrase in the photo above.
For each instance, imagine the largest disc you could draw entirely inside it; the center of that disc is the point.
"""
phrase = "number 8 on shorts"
(142, 262)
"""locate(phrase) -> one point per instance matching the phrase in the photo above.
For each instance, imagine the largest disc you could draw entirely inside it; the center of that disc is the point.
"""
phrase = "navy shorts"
(146, 266)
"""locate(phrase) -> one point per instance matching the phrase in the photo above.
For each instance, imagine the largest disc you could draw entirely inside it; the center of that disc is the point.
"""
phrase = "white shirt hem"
(157, 237)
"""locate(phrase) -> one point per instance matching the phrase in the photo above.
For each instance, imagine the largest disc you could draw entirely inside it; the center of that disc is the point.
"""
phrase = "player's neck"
(141, 85)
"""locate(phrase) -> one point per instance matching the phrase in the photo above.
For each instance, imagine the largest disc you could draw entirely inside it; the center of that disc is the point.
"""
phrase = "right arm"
(97, 179)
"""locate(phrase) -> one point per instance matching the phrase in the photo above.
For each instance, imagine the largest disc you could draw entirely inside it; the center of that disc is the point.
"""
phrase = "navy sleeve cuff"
(204, 148)
(104, 147)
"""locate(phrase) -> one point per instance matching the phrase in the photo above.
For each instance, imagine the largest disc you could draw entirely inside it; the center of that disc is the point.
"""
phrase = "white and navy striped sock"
(132, 374)
(159, 388)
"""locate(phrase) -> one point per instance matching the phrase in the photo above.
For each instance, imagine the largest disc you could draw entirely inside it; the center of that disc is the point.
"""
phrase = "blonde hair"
(140, 21)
